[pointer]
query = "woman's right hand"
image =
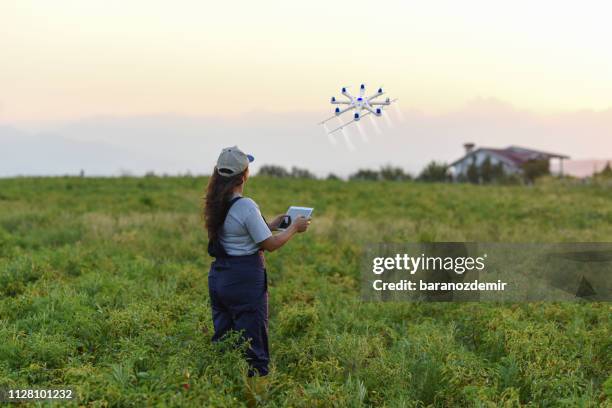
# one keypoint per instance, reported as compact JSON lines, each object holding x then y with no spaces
{"x":274,"y":242}
{"x":301,"y":224}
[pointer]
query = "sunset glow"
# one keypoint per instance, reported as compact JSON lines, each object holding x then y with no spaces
{"x":67,"y":59}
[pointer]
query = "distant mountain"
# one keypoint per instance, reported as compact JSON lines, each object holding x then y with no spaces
{"x":23,"y":153}
{"x":410,"y":139}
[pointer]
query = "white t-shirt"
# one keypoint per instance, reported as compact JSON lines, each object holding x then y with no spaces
{"x":244,"y":228}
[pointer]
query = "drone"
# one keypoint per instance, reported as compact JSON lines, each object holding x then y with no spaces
{"x":359,"y":104}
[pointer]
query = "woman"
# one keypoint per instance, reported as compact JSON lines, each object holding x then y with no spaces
{"x":237,"y":236}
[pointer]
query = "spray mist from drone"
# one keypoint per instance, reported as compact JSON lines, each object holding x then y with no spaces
{"x":375,"y":125}
{"x":398,"y":112}
{"x":331,"y":137}
{"x":362,"y":133}
{"x":347,"y":139}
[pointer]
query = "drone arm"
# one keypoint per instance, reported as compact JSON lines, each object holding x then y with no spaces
{"x":348,"y":95}
{"x":345,"y":110}
{"x":341,"y":103}
{"x":340,"y":127}
{"x":337,"y":114}
{"x":371,"y":98}
{"x":327,"y":120}
{"x":346,"y":124}
{"x":387,"y":102}
{"x":369,"y":110}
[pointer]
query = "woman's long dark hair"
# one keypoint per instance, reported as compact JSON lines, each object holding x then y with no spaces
{"x":219,"y":193}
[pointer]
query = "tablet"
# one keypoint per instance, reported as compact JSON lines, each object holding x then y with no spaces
{"x":294,"y":212}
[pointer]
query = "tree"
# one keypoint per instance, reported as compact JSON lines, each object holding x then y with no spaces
{"x":497,"y":173}
{"x":365,"y":174}
{"x":280,"y":172}
{"x":486,"y":170}
{"x":532,"y":169}
{"x":393,"y":174}
{"x":273,"y":171}
{"x":434,"y":172}
{"x":296,"y":172}
{"x":473,"y":173}
{"x":606,"y":171}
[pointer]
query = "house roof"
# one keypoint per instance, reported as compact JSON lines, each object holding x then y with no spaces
{"x":515,"y":155}
{"x":537,"y":152}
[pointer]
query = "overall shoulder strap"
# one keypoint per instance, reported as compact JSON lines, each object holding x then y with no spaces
{"x":233,"y":200}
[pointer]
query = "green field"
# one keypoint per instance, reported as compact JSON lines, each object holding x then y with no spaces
{"x":103,"y":287}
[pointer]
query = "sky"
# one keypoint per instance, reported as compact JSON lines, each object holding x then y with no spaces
{"x":243,"y":70}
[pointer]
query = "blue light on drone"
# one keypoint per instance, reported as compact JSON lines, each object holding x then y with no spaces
{"x":378,"y":111}
{"x":362,"y":86}
{"x":337,"y":110}
{"x":356,"y":116}
{"x":333,"y":99}
{"x":360,"y":99}
{"x":343,"y":90}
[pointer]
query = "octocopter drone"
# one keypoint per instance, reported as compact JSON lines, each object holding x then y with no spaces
{"x":359,"y":104}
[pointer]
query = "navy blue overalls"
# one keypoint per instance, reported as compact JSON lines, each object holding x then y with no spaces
{"x":238,"y":290}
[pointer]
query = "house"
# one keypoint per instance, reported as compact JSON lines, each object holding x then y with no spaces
{"x":511,"y":159}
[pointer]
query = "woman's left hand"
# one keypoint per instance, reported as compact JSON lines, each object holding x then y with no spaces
{"x":275,"y":223}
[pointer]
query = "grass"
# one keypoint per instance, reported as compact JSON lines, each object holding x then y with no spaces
{"x":103,"y":288}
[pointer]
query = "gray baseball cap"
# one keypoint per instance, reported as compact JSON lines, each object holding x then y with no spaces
{"x":233,"y":161}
